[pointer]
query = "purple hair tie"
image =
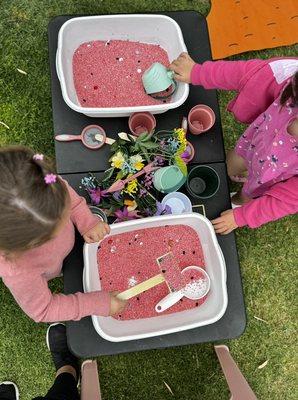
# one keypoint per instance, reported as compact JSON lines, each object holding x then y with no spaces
{"x":38,"y":157}
{"x":50,"y":178}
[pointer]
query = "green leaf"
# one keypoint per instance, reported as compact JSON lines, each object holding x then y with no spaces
{"x":142,"y":137}
{"x":145,"y":153}
{"x":119,"y":175}
{"x":150,"y":145}
{"x":108,"y":174}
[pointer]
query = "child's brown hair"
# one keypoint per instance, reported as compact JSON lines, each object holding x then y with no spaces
{"x":290,"y":92}
{"x":30,"y":209}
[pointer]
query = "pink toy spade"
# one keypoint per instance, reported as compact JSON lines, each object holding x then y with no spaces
{"x":119,"y":185}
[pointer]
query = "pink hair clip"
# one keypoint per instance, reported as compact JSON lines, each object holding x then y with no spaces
{"x":37,"y":157}
{"x":50,"y":178}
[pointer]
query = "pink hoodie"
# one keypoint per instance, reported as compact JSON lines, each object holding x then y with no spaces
{"x":27,"y":277}
{"x":257,"y":83}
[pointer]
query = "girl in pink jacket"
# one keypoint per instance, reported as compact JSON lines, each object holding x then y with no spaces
{"x":266,"y":155}
{"x":37,"y":218}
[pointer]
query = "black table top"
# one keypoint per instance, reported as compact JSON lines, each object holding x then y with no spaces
{"x":73,"y":157}
{"x":74,"y":162}
{"x":84,"y":341}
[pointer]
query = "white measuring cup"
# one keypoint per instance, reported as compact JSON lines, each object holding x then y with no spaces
{"x":194,"y":290}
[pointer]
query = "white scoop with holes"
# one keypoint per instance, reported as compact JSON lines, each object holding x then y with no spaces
{"x":194,"y":290}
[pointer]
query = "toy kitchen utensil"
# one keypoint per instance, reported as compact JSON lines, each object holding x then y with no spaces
{"x":170,"y":273}
{"x":92,"y":136}
{"x":195,"y":289}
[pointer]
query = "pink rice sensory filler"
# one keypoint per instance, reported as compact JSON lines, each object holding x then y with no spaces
{"x":109,"y":74}
{"x":127,"y":259}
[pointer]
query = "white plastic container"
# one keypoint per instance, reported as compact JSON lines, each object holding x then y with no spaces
{"x":154,"y":29}
{"x":209,"y":312}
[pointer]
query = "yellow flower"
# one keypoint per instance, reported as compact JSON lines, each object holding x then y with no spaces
{"x":128,"y":202}
{"x":131,"y":205}
{"x":132,"y":187}
{"x":117,"y":160}
{"x":181,"y":148}
{"x":180,"y":133}
{"x":136,"y":162}
{"x":181,"y":164}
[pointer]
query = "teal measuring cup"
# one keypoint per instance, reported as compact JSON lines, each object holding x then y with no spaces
{"x":157,"y":79}
{"x":168,"y":179}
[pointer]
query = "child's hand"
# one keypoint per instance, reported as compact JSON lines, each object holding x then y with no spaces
{"x":182,"y":67}
{"x":225,"y":223}
{"x":117,"y":305}
{"x":97,"y":233}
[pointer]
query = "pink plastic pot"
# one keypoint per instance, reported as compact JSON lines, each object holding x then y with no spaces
{"x":191,"y":150}
{"x":141,"y":122}
{"x":200,"y":119}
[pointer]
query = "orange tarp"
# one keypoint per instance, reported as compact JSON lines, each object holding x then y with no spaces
{"x":236,"y":26}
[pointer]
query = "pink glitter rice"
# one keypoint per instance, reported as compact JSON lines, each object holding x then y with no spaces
{"x":109,"y":74}
{"x":130,"y":258}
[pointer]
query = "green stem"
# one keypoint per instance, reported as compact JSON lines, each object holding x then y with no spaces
{"x":151,"y":195}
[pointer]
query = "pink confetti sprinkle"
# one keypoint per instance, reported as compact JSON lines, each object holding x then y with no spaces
{"x":115,"y":68}
{"x":132,"y":260}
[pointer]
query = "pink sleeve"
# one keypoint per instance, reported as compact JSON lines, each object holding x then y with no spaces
{"x":277,"y":202}
{"x":81,"y":216}
{"x":225,"y":75}
{"x":39,"y":303}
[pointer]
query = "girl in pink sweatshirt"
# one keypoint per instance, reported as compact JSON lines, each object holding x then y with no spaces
{"x":266,"y":156}
{"x":38,"y":213}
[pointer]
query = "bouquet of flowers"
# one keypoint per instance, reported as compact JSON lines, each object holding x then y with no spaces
{"x":137,"y":156}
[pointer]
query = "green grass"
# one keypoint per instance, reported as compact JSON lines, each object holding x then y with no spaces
{"x":268,"y":256}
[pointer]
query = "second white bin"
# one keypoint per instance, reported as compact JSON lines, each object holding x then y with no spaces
{"x":209,"y":312}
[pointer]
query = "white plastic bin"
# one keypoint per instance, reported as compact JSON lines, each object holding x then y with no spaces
{"x":155,"y":29}
{"x":209,"y":312}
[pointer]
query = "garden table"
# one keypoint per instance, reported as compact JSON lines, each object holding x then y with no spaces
{"x":74,"y":162}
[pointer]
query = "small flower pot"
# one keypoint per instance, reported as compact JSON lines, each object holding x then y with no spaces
{"x":202,"y":182}
{"x":141,"y":122}
{"x":200,"y":119}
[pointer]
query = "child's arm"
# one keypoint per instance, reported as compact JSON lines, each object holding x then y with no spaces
{"x":87,"y":224}
{"x":225,"y":75}
{"x":280,"y":200}
{"x":39,"y":303}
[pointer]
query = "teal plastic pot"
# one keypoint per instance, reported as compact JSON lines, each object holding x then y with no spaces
{"x":168,"y":179}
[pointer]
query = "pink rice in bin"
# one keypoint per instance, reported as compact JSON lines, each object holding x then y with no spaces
{"x":108,"y":74}
{"x":130,"y":258}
